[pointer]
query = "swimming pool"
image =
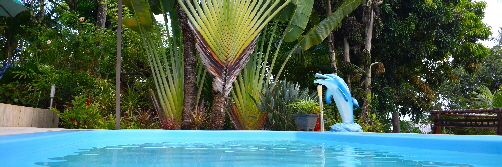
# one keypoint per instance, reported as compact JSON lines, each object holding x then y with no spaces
{"x":245,"y":148}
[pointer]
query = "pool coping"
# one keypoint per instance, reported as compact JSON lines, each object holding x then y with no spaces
{"x":24,"y":130}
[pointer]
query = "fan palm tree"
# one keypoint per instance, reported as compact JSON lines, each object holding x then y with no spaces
{"x":225,"y":32}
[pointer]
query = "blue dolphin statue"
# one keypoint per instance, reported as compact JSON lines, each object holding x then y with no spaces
{"x":339,"y":92}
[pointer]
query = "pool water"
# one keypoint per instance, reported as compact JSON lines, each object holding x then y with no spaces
{"x":238,"y":153}
{"x":246,"y":148}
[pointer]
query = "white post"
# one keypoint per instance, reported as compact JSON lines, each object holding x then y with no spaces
{"x":319,"y":94}
{"x":53,"y":91}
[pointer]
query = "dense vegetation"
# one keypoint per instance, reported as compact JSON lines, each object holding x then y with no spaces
{"x":398,"y":56}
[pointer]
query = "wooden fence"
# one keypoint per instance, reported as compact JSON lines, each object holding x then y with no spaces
{"x":468,"y":118}
{"x":19,"y":116}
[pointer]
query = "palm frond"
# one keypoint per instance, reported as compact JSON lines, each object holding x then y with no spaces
{"x":229,"y":28}
{"x":244,"y":111}
{"x":165,"y":61}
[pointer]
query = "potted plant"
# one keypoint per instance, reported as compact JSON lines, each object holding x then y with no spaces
{"x":306,"y":115}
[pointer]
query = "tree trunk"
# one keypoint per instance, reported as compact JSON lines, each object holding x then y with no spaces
{"x":190,"y":72}
{"x":346,"y":57}
{"x":42,"y":11}
{"x":101,"y":16}
{"x":396,"y":128}
{"x":368,"y":18}
{"x":331,"y":44}
{"x":218,"y":110}
{"x":72,"y":4}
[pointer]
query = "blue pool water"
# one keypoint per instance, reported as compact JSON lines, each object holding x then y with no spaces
{"x":246,"y":148}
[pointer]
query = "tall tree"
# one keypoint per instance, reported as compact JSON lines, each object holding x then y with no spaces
{"x":422,"y":42}
{"x":368,"y":21}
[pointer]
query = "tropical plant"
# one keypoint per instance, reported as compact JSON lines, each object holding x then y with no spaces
{"x":243,"y":111}
{"x":165,"y":60}
{"x":250,"y":86}
{"x":226,"y":33}
{"x":274,"y":102}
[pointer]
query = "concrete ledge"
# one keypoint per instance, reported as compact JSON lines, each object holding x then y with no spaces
{"x":22,"y":130}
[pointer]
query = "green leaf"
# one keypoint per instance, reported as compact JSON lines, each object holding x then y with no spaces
{"x":158,"y":8}
{"x":286,"y":13}
{"x":497,"y":99}
{"x":319,"y":32}
{"x":128,"y":3}
{"x":175,"y":24}
{"x":300,"y":19}
{"x":143,"y":16}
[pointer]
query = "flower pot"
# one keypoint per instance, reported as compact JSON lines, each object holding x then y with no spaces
{"x":305,"y":122}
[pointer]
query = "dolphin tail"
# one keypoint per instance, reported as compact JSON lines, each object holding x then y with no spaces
{"x":354,"y":101}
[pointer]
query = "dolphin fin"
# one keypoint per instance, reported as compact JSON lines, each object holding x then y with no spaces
{"x":328,"y":97}
{"x":354,"y":101}
{"x":344,"y":95}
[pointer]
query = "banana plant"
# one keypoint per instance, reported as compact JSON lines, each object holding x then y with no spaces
{"x":226,"y":32}
{"x":165,"y":60}
{"x":317,"y":33}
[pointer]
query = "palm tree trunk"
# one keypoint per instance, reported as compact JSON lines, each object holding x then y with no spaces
{"x":190,"y":72}
{"x":219,"y":107}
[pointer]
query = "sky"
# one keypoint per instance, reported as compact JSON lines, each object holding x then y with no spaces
{"x":493,"y":14}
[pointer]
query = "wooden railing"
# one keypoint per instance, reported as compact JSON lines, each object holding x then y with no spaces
{"x":467,"y":118}
{"x":19,"y":116}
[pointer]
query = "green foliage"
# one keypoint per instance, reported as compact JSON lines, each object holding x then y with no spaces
{"x":474,"y":90}
{"x":275,"y":101}
{"x":319,"y":32}
{"x":299,"y":20}
{"x":305,"y":106}
{"x":165,"y":60}
{"x":374,"y":124}
{"x":497,"y":98}
{"x":331,"y":116}
{"x":468,"y":131}
{"x":422,"y":43}
{"x":84,"y":115}
{"x":14,"y":93}
{"x":313,"y":37}
{"x":408,"y":127}
{"x":243,"y":112}
{"x":79,"y":59}
{"x":142,"y":19}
